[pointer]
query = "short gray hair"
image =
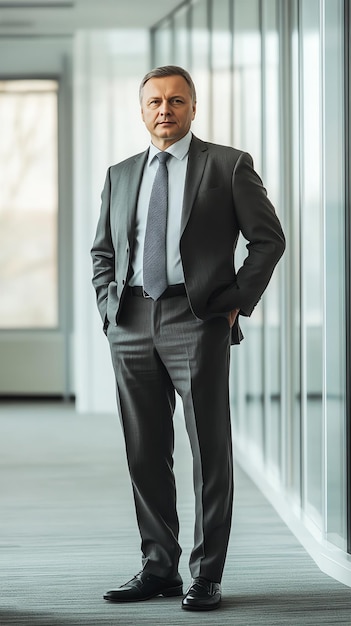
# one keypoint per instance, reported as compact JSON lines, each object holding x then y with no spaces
{"x":169,"y":70}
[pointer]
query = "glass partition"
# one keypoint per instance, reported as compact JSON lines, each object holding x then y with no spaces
{"x":247,"y":125}
{"x":221,"y":66}
{"x":199,"y":63}
{"x":312,"y":259}
{"x":181,"y":54}
{"x":335,"y":321}
{"x":270,"y":81}
{"x":272,"y":173}
{"x":163,"y":44}
{"x":291,"y":187}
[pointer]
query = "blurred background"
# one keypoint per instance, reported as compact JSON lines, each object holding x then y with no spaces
{"x":273,"y":78}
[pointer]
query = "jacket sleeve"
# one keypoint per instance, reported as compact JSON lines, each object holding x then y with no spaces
{"x":103,"y":254}
{"x":261,"y":228}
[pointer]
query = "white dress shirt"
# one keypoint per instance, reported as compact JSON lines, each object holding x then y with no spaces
{"x":177,"y":166}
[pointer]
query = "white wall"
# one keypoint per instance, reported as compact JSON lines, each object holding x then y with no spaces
{"x":108,"y":67}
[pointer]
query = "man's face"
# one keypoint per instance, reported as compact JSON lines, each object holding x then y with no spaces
{"x":167,"y":109}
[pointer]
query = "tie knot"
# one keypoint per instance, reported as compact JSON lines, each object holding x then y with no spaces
{"x":163,"y":157}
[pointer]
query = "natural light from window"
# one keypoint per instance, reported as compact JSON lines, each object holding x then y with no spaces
{"x":28,"y":204}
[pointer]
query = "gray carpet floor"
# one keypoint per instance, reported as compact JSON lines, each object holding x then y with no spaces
{"x":68,"y":533}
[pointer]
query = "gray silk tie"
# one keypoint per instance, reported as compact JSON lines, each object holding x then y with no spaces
{"x":155,"y":269}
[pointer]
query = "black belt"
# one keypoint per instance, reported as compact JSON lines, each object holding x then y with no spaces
{"x":170,"y":292}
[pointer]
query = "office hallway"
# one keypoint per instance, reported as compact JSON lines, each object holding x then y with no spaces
{"x":68,"y":534}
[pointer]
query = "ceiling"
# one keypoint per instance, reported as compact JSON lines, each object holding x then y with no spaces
{"x":64,"y":17}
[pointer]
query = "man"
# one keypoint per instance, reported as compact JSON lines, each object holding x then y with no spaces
{"x":169,"y":297}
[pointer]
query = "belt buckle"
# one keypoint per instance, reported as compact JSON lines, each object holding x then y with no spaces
{"x":146,"y":295}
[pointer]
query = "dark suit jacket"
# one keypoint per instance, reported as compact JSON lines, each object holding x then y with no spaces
{"x":223,"y":195}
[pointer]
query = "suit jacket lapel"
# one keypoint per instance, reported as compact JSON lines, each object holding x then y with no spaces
{"x":132,"y":191}
{"x":198,"y":153}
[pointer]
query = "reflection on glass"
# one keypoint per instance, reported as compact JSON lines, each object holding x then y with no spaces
{"x":28,"y":204}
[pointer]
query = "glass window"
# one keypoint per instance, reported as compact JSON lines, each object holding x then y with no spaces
{"x":28,"y":204}
{"x":199,"y":55}
{"x":334,"y":186}
{"x":272,"y":176}
{"x":181,"y":38}
{"x":291,"y":100}
{"x":269,"y":77}
{"x":312,"y":259}
{"x":221,"y":50}
{"x":163,"y":44}
{"x":247,"y":123}
{"x":247,"y":107}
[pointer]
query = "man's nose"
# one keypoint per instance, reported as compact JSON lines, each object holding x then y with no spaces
{"x":165,"y":108}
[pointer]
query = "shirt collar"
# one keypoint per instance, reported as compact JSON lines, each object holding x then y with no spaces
{"x":179,"y":149}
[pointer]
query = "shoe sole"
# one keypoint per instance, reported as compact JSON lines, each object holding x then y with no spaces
{"x":171,"y":592}
{"x":188,"y":607}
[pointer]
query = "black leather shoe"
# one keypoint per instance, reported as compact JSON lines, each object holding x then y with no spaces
{"x":202,"y":595}
{"x":145,"y":586}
